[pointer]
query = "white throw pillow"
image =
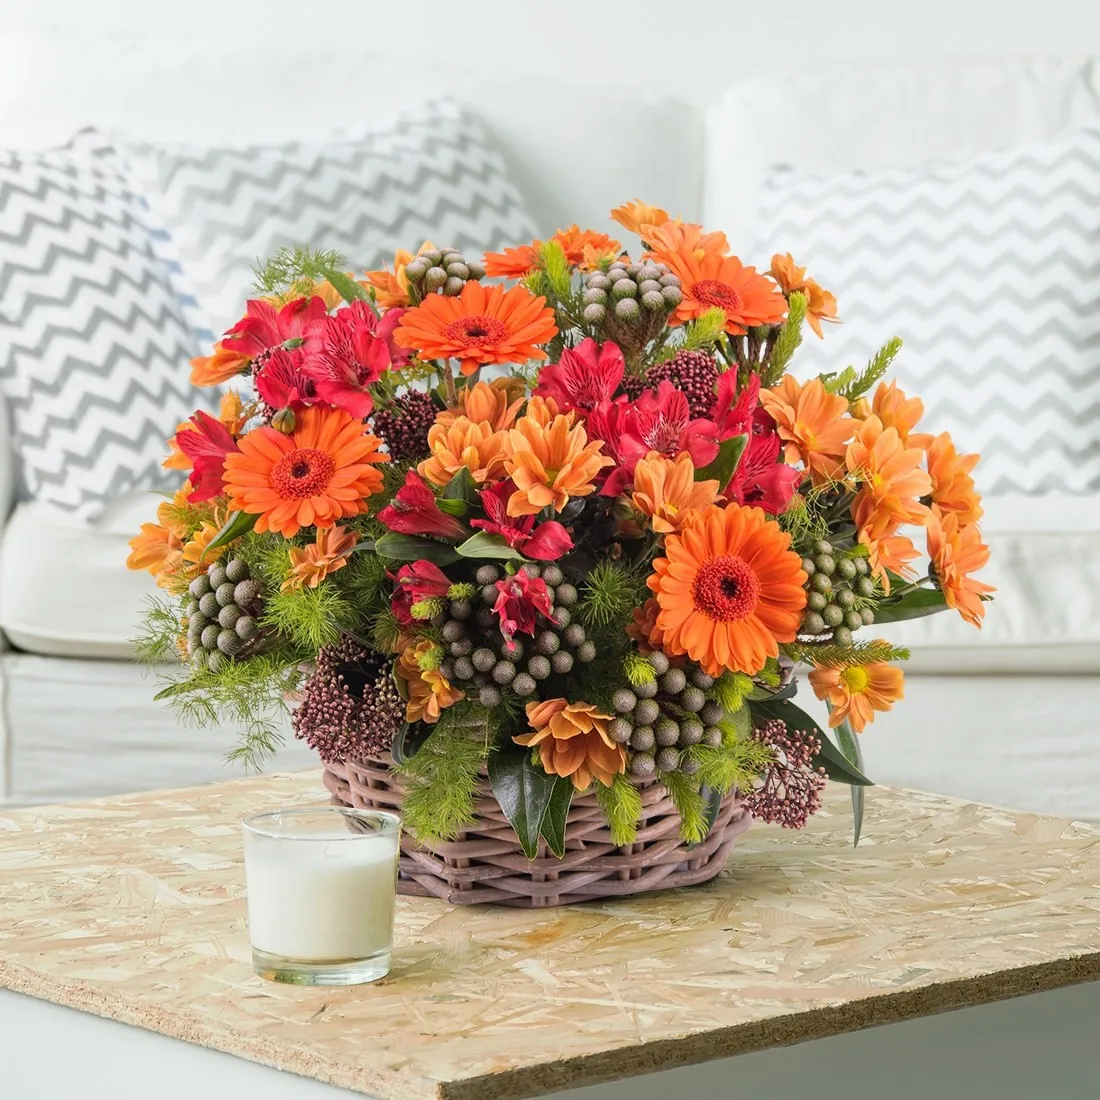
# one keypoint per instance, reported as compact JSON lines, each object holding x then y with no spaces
{"x":427,"y":174}
{"x":93,"y":342}
{"x":988,"y":268}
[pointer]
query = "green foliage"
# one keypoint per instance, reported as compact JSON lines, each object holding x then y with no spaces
{"x":294,"y":272}
{"x":612,"y":590}
{"x":160,"y":628}
{"x":249,"y":694}
{"x":731,"y":689}
{"x":684,"y":792}
{"x":443,"y":775}
{"x":851,"y":383}
{"x":621,"y":805}
{"x":555,"y":267}
{"x":363,"y":583}
{"x":309,"y":618}
{"x":386,"y":631}
{"x":804,"y":519}
{"x":736,"y":763}
{"x":787,"y":341}
{"x":829,"y":655}
{"x":698,"y":335}
{"x":638,"y":670}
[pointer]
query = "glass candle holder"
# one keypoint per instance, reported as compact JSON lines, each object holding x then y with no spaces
{"x":321,"y":885}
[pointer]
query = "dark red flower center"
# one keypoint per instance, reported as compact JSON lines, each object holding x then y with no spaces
{"x":476,"y":332}
{"x":726,"y":589}
{"x":710,"y":292}
{"x":303,"y":472}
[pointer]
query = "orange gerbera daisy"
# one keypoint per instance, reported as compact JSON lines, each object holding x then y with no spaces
{"x":729,"y":589}
{"x":309,"y":565}
{"x":481,"y":325}
{"x":391,"y":288}
{"x":322,"y":472}
{"x":585,"y":248}
{"x":464,"y":443}
{"x":892,"y":476}
{"x":550,"y":464}
{"x":640,"y":218}
{"x":429,"y":692}
{"x":665,"y":489}
{"x":895,"y":410}
{"x":820,"y":304}
{"x":952,"y":486}
{"x":709,"y":278}
{"x":957,"y":551}
{"x":212,"y":370}
{"x":572,"y":740}
{"x":513,"y":263}
{"x":811,"y":423}
{"x":495,"y":403}
{"x":856,"y":693}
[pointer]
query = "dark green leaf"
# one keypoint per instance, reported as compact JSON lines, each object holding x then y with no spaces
{"x":348,"y":288}
{"x":725,"y":465}
{"x":456,"y":507}
{"x":486,"y":545}
{"x":239,"y":523}
{"x":835,"y":763}
{"x":763,"y":694}
{"x":462,"y":487}
{"x":913,"y":605}
{"x":712,"y":803}
{"x":407,"y":742}
{"x":741,"y":720}
{"x":523,"y":790}
{"x":412,"y":548}
{"x":849,"y":745}
{"x":557,"y":813}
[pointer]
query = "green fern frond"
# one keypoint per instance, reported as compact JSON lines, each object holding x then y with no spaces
{"x":610,"y":593}
{"x":161,"y":627}
{"x":852,"y":384}
{"x":684,"y":792}
{"x":638,"y":670}
{"x":829,"y":655}
{"x":787,"y":341}
{"x":292,"y":272}
{"x":555,"y":267}
{"x":309,"y":618}
{"x":731,"y":689}
{"x":737,"y":763}
{"x":621,"y":805}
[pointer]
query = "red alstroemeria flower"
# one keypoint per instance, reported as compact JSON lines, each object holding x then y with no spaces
{"x":659,"y":422}
{"x":264,"y":327}
{"x":521,"y":598}
{"x":281,"y":383}
{"x":419,"y":580}
{"x":206,"y":445}
{"x":413,"y":511}
{"x":733,"y":413}
{"x":584,"y":377}
{"x":348,"y":350}
{"x":547,"y":542}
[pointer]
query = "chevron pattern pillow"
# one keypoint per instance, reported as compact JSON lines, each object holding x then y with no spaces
{"x":989,"y":269}
{"x":93,"y":341}
{"x":428,"y":174}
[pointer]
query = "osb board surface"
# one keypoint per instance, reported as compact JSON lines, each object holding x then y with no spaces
{"x":133,"y":908}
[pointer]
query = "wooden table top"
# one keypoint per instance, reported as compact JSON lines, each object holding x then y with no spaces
{"x":133,"y":908}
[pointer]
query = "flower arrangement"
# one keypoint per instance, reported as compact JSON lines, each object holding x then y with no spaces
{"x":561,"y":517}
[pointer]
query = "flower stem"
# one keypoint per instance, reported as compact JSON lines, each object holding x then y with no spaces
{"x":446,"y":376}
{"x":912,"y":587}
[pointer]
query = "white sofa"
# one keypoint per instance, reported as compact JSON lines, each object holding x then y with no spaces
{"x":1006,"y":716}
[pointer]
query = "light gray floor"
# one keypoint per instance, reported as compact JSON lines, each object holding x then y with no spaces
{"x":1042,"y":1047}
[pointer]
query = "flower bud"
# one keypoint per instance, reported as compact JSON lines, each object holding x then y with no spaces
{"x":283,"y":420}
{"x":435,"y":278}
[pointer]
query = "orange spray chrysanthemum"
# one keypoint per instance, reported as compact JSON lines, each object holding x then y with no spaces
{"x":665,"y":489}
{"x":495,"y":403}
{"x":891,"y":475}
{"x":957,"y":551}
{"x":464,"y":443}
{"x":640,"y":218}
{"x":391,"y":288}
{"x":322,"y":472}
{"x":709,"y":278}
{"x":856,"y":693}
{"x":550,"y":464}
{"x":479,"y":326}
{"x":309,"y":565}
{"x":729,"y":589}
{"x":811,"y":423}
{"x":213,"y":370}
{"x":898,"y":411}
{"x":585,"y":248}
{"x":573,"y":741}
{"x":952,"y":485}
{"x":820,"y":303}
{"x":428,"y":692}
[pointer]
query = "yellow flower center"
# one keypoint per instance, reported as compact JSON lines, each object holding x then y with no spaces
{"x":856,"y":679}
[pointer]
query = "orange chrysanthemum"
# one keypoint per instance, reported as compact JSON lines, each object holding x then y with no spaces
{"x":952,"y":486}
{"x":820,"y":304}
{"x":956,"y":552}
{"x":495,"y":403}
{"x":665,"y":489}
{"x":550,"y":464}
{"x":887,"y":551}
{"x":709,"y":278}
{"x":643,"y":627}
{"x":572,"y":740}
{"x":729,"y":589}
{"x":543,"y":410}
{"x":464,"y":443}
{"x":429,"y":692}
{"x":391,"y":288}
{"x":157,"y":549}
{"x":212,"y":370}
{"x":481,"y":325}
{"x":167,"y":549}
{"x":585,"y":248}
{"x":891,"y":475}
{"x":309,"y":565}
{"x":322,"y":472}
{"x":811,"y":423}
{"x":513,"y":263}
{"x":896,"y":410}
{"x":640,"y":218}
{"x":856,"y":693}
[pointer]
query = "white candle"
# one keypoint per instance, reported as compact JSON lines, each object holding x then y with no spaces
{"x":318,"y":891}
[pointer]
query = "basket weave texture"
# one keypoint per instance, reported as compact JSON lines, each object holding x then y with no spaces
{"x":486,"y":864}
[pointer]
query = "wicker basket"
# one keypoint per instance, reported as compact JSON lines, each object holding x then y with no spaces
{"x":486,"y":864}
